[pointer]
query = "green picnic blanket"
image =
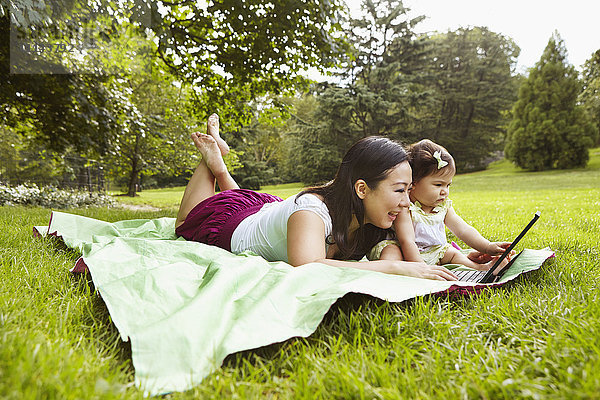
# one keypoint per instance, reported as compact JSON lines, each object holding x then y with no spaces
{"x":185,"y":305}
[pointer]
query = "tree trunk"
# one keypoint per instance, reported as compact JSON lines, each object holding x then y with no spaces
{"x":133,"y":180}
{"x":134,"y":176}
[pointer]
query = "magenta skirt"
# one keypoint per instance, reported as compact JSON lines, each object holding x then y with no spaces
{"x":213,"y":220}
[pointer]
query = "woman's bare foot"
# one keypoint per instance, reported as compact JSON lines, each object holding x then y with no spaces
{"x":211,"y":153}
{"x":212,"y":128}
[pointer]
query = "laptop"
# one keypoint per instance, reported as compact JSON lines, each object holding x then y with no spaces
{"x":489,"y":276}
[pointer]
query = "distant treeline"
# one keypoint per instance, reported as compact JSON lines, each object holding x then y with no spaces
{"x":124,"y":112}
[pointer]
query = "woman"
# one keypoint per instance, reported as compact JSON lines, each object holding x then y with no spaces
{"x":330,"y":224}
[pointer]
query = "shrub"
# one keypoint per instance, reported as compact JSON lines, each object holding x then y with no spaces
{"x":51,"y":197}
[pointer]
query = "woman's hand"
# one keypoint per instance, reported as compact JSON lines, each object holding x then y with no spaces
{"x":425,"y":271}
{"x":479,"y":257}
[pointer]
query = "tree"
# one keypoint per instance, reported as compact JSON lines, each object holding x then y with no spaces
{"x":260,"y":146}
{"x":590,"y":95}
{"x":380,"y":76}
{"x":228,"y":52}
{"x":375,"y":95}
{"x":233,"y":52}
{"x":548,"y":128}
{"x":58,"y":106}
{"x":312,"y":152}
{"x":60,"y":119}
{"x":154,"y":114}
{"x":64,"y":118}
{"x":471,"y":88}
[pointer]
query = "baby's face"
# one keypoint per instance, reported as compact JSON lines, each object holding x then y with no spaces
{"x":432,"y":190}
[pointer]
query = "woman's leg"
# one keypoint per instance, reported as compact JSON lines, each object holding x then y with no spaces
{"x":210,"y":170}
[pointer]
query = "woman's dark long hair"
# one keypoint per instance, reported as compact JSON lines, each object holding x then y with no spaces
{"x":369,"y":159}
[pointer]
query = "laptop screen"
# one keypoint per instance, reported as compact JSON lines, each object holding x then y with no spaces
{"x":489,"y":276}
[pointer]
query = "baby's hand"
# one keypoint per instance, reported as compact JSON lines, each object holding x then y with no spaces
{"x":497,"y":248}
{"x":492,"y":249}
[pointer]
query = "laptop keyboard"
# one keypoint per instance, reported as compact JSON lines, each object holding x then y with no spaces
{"x":470,"y":276}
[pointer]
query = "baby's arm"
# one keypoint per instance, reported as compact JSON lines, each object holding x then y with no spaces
{"x":405,"y":234}
{"x":391,"y":252}
{"x":471,"y":236}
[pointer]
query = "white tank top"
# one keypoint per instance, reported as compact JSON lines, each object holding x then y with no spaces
{"x":430,"y":229}
{"x":265,"y":232}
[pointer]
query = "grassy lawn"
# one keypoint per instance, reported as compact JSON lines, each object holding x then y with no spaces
{"x":171,"y":197}
{"x":537,"y":338}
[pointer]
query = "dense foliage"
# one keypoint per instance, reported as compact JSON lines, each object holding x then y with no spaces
{"x":153,"y":72}
{"x":125,"y":110}
{"x":472,"y":85}
{"x":590,"y":95}
{"x":549,"y":129}
{"x":454,"y":88}
{"x":233,"y":52}
{"x":59,"y":108}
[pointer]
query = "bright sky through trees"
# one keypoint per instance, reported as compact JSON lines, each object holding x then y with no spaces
{"x":530,"y":23}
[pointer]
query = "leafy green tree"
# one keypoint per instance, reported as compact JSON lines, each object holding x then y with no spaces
{"x":454,"y":88}
{"x":549,"y":129}
{"x":230,"y":52}
{"x":235,"y":51}
{"x":260,"y":146}
{"x":380,"y":76}
{"x":376,"y":92}
{"x":312,"y":153}
{"x":155,"y":117}
{"x":62,"y":119}
{"x":10,"y":154}
{"x":590,"y":95}
{"x":471,"y":87}
{"x":58,"y":106}
{"x":24,"y":159}
{"x":43,"y":85}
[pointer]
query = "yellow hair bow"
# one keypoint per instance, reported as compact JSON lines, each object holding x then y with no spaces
{"x":438,"y":156}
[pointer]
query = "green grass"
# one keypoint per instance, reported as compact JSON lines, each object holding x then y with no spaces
{"x":506,"y":176}
{"x":171,"y":197}
{"x":161,"y":198}
{"x":537,"y":338}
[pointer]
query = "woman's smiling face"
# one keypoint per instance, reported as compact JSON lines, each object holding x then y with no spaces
{"x":383,"y":202}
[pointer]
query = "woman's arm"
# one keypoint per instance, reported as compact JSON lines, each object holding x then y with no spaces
{"x":471,"y":236}
{"x":405,"y":234}
{"x":305,"y":244}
